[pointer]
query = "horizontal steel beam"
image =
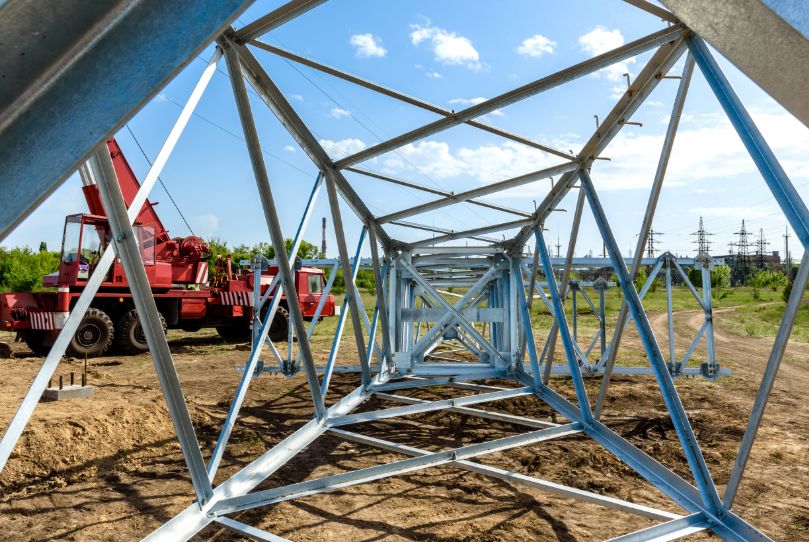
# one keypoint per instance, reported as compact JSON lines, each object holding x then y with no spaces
{"x":671,"y":530}
{"x":516,"y":478}
{"x":434,"y":229}
{"x":338,"y":481}
{"x":469,"y":234}
{"x":481,"y":191}
{"x":435,"y":191}
{"x":430,"y":406}
{"x":405,"y":98}
{"x":540,"y":85}
{"x":467,"y":411}
{"x":249,"y":531}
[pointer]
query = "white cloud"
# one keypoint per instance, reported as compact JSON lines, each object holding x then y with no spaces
{"x":431,"y":157}
{"x":205,"y":226}
{"x":600,"y":40}
{"x":339,"y":113}
{"x":707,"y":149}
{"x":468,"y":102}
{"x":296,"y":97}
{"x":368,"y":46}
{"x":433,"y":75}
{"x":536,"y":46}
{"x":448,"y":47}
{"x":747,"y":212}
{"x":289,"y":148}
{"x":342,"y":148}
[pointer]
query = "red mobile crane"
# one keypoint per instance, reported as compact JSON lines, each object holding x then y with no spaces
{"x":178,"y":273}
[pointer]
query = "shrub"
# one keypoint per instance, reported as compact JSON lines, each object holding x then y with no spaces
{"x":22,"y":269}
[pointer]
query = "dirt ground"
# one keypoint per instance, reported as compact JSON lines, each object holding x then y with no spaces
{"x":109,"y":468}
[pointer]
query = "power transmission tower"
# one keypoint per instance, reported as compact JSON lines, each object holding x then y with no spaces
{"x":558,"y":246}
{"x":650,"y":243}
{"x":787,"y":255}
{"x":741,"y":260}
{"x":702,"y":242}
{"x":761,"y":248}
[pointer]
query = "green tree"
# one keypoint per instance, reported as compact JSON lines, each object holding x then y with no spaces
{"x":720,"y":276}
{"x":22,"y":269}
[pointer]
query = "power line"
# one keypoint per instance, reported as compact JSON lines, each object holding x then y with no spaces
{"x":160,"y":180}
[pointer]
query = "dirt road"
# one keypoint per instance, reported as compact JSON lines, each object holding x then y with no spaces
{"x":108,"y":468}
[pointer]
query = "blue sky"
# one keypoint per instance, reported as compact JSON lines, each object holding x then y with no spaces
{"x":453,"y":54}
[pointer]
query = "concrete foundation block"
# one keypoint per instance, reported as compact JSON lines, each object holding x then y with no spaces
{"x":67,"y":392}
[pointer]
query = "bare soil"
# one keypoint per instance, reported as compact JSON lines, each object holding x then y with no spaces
{"x":109,"y":468}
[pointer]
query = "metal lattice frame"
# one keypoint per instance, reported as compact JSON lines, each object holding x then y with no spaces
{"x":490,"y":322}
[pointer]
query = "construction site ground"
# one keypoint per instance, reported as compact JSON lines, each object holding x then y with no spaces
{"x":109,"y":467}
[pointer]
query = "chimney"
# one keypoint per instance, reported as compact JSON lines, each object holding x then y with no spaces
{"x":323,"y":242}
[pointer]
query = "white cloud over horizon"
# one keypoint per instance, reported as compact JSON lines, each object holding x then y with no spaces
{"x":368,"y":46}
{"x":339,"y":113}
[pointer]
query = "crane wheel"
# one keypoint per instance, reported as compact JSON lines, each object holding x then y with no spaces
{"x":38,"y":341}
{"x":129,"y":336}
{"x":238,"y":332}
{"x":94,"y":335}
{"x":279,"y":328}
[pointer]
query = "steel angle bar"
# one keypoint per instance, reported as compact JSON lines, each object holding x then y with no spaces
{"x":272,"y":96}
{"x":403,"y":97}
{"x":673,"y":403}
{"x":447,"y":380}
{"x":431,"y":190}
{"x":540,"y":85}
{"x":429,"y":406}
{"x":396,"y":468}
{"x":276,"y":18}
{"x":481,"y":191}
{"x":652,"y":9}
{"x":727,"y":525}
{"x":271,"y":218}
{"x":434,"y":229}
{"x":476,"y":412}
{"x":550,"y":346}
{"x":471,"y":233}
{"x":248,"y":530}
{"x":262,"y":337}
{"x":768,"y":379}
{"x":126,"y":247}
{"x":341,"y":321}
{"x":670,"y":530}
{"x":191,"y":520}
{"x":646,"y":81}
{"x":457,"y":316}
{"x":779,"y":184}
{"x":434,"y":332}
{"x":32,"y":396}
{"x":693,"y":346}
{"x":296,"y":242}
{"x":564,"y":330}
{"x":688,"y":283}
{"x":525,"y":310}
{"x":516,"y":478}
{"x":380,"y":276}
{"x":57,"y":60}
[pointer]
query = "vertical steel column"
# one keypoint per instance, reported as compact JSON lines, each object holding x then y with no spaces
{"x":382,"y":306}
{"x":574,"y":290}
{"x":351,"y":288}
{"x":126,"y":246}
{"x":664,"y":380}
{"x":274,"y":226}
{"x":571,"y":247}
{"x":341,"y":321}
{"x":768,"y":380}
{"x":525,"y":310}
{"x":670,"y":311}
{"x":564,"y":330}
{"x":29,"y":402}
{"x":707,"y":299}
{"x":646,"y":226}
{"x":781,"y":187}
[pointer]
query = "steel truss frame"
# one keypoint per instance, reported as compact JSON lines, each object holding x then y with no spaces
{"x":490,"y":322}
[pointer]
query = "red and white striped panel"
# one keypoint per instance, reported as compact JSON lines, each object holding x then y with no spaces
{"x":202,"y":273}
{"x":47,"y":320}
{"x":236,"y":298}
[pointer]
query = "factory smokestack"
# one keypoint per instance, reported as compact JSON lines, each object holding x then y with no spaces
{"x":323,"y":241}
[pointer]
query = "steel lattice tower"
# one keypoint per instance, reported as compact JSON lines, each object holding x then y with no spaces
{"x":702,"y":242}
